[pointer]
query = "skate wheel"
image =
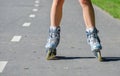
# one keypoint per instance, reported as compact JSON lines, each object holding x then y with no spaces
{"x":99,"y":56}
{"x":50,"y":55}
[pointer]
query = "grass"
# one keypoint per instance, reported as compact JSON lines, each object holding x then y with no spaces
{"x":110,"y":6}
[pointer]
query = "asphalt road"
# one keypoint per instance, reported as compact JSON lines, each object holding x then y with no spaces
{"x":23,"y":32}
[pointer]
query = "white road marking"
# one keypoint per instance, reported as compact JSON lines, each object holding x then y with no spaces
{"x":16,"y":38}
{"x":2,"y":65}
{"x":32,"y":15}
{"x":66,"y":68}
{"x":37,"y":1}
{"x":26,"y":24}
{"x":35,"y":10}
{"x":36,"y":5}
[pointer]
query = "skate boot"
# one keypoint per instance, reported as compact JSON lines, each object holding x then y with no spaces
{"x":94,"y":42}
{"x":52,"y":43}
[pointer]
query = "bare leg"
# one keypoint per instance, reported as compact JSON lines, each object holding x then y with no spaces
{"x":91,"y":31}
{"x":54,"y":30}
{"x":88,"y":13}
{"x":56,"y":12}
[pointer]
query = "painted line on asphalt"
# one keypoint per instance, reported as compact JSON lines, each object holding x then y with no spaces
{"x":37,"y":1}
{"x":2,"y":65}
{"x":26,"y":24}
{"x":36,"y":5}
{"x":16,"y":38}
{"x":35,"y":10}
{"x":32,"y":15}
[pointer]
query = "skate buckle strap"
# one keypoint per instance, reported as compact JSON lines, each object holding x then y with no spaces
{"x":54,"y":33}
{"x":93,"y":35}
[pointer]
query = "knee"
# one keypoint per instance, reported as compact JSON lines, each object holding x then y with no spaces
{"x":85,"y":3}
{"x":58,"y":3}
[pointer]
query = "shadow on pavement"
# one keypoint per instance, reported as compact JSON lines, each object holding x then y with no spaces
{"x":105,"y":59}
{"x":71,"y":58}
{"x":108,"y":59}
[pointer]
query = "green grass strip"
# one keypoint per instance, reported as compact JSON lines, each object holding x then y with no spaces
{"x":111,"y":6}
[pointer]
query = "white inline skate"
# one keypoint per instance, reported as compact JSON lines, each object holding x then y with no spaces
{"x":52,"y":43}
{"x":94,"y":42}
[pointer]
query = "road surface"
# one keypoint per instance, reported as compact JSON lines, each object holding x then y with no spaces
{"x":23,"y":32}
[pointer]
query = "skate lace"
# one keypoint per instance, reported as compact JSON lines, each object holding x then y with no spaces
{"x":54,"y":35}
{"x":93,"y":38}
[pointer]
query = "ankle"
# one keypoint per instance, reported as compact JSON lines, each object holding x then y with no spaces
{"x":54,"y":27}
